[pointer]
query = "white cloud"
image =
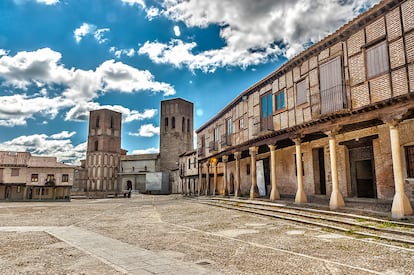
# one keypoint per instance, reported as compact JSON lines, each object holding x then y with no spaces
{"x":146,"y":130}
{"x":3,"y":52}
{"x":58,"y":145}
{"x":152,"y":12}
{"x":177,"y":31}
{"x":63,"y":135}
{"x":133,"y":2}
{"x":41,"y":70}
{"x":253,"y":31}
{"x":151,"y":150}
{"x":120,"y":52}
{"x":48,"y":2}
{"x":90,"y":29}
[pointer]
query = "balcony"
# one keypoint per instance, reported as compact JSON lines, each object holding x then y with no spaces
{"x":213,"y":146}
{"x":225,"y":140}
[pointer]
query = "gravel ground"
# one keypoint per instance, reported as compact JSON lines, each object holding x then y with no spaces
{"x":225,"y":241}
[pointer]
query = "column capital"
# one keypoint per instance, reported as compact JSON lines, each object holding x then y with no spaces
{"x":272,"y":147}
{"x":225,"y":158}
{"x":213,"y":161}
{"x":297,"y":138}
{"x":237,"y":155}
{"x":253,"y":150}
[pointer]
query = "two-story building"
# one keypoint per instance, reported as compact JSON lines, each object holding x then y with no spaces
{"x":27,"y":177}
{"x":336,"y":121}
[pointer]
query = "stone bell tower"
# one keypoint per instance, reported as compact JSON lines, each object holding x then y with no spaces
{"x":104,"y":151}
{"x":176,"y":132}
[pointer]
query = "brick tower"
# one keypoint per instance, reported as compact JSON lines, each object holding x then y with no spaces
{"x":176,"y":132}
{"x":104,"y":151}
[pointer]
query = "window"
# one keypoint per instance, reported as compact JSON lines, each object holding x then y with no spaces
{"x":50,"y":177}
{"x":112,"y":122}
{"x":241,"y":124}
{"x":203,"y":141}
{"x":377,"y":59}
{"x":35,"y":177}
{"x":15,"y":172}
{"x":216,"y":134}
{"x":173,"y":122}
{"x":189,"y":163}
{"x":188,"y":125}
{"x":195,"y":162}
{"x":229,"y":128}
{"x":280,"y":100}
{"x":97,"y":122}
{"x":96,"y":145}
{"x":166,"y":123}
{"x":19,"y":189}
{"x":332,"y":90}
{"x":266,"y":122}
{"x":409,"y":157}
{"x":183,"y":125}
{"x":248,"y":169}
{"x":301,"y":92}
{"x":65,"y":178}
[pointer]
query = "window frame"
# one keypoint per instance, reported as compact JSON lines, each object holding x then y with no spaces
{"x":409,"y":160}
{"x":301,"y":92}
{"x":280,"y":107}
{"x":34,"y":178}
{"x":266,"y":111}
{"x":65,"y":177}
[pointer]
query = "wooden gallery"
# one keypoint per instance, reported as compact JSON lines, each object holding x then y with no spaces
{"x":335,"y":121}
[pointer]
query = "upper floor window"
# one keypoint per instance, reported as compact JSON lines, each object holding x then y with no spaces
{"x":332,"y":92}
{"x":241,"y":124}
{"x":266,"y":105}
{"x":301,"y":92}
{"x":409,"y":157}
{"x":166,"y":123}
{"x":183,"y":124}
{"x":15,"y":172}
{"x":189,"y":163}
{"x":195,"y":162}
{"x":377,"y":59}
{"x":229,"y":128}
{"x":173,"y":123}
{"x":96,"y":145}
{"x":280,"y":100}
{"x":216,"y":134}
{"x":50,"y":178}
{"x":35,"y":178}
{"x":97,"y":122}
{"x":65,"y":178}
{"x":188,"y":125}
{"x":203,"y":141}
{"x":112,"y":122}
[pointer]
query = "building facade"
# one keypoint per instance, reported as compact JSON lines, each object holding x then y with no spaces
{"x":188,"y":174}
{"x":334,"y":121}
{"x":103,"y":152}
{"x":27,"y":177}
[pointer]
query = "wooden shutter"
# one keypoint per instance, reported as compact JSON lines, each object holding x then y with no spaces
{"x":331,"y":86}
{"x":377,"y":60}
{"x":301,"y":92}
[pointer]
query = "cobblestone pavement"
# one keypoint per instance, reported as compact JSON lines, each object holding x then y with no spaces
{"x":171,"y":235}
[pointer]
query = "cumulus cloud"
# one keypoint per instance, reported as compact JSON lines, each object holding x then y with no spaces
{"x":177,"y":31}
{"x":41,"y":70}
{"x":253,"y":32}
{"x":134,"y":2}
{"x":146,"y":130}
{"x":48,"y":2}
{"x":58,"y":145}
{"x":90,"y":29}
{"x":120,"y":52}
{"x":151,"y":150}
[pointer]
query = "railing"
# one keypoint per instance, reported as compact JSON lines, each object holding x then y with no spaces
{"x":225,"y":140}
{"x":333,"y":99}
{"x":213,"y":146}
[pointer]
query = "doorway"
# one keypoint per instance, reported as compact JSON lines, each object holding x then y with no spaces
{"x":319,"y":171}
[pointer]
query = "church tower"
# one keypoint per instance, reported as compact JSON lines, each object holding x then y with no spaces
{"x":176,"y":132}
{"x":104,"y":151}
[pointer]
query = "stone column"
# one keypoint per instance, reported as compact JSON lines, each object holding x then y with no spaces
{"x":254,"y":190}
{"x":214,"y":162}
{"x":237,"y":156}
{"x":300,"y":193}
{"x":401,"y":206}
{"x":225,"y":159}
{"x":274,"y":193}
{"x":336,"y":201}
{"x":207,"y":178}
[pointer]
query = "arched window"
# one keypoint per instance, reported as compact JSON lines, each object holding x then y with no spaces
{"x":183,"y":124}
{"x":173,"y":122}
{"x":166,"y":123}
{"x":97,"y":122}
{"x":96,"y":145}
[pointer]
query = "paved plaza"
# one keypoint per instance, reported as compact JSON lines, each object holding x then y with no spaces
{"x":173,"y":235}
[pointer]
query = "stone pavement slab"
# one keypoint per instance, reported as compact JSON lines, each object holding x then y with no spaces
{"x":123,"y":257}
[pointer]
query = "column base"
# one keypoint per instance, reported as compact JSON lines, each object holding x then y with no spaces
{"x":237,"y":193}
{"x":274,"y":194}
{"x":401,"y":206}
{"x":336,"y":201}
{"x":300,"y":197}
{"x":254,"y":192}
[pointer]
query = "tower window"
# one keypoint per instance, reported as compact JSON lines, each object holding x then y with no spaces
{"x":96,"y":145}
{"x":97,"y":122}
{"x":112,"y":122}
{"x":166,"y":123}
{"x":183,"y":124}
{"x":173,"y":123}
{"x":188,"y":125}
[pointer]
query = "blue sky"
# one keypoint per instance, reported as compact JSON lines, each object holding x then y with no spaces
{"x":59,"y":59}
